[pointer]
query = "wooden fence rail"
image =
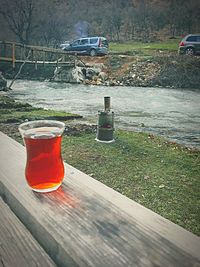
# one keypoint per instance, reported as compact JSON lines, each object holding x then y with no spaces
{"x":16,"y":52}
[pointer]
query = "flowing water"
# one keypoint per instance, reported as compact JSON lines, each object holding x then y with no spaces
{"x":173,"y":113}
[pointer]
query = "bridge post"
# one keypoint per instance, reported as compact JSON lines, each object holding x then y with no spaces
{"x":36,"y":66}
{"x":4,"y":49}
{"x":57,"y":60}
{"x":13,"y":56}
{"x":32,"y":55}
{"x":44,"y":56}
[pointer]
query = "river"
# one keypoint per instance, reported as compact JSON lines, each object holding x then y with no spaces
{"x":173,"y":113}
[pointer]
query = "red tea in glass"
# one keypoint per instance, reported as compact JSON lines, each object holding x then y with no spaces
{"x":44,"y":167}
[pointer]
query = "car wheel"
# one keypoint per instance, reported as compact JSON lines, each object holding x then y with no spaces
{"x":93,"y":52}
{"x":189,"y":51}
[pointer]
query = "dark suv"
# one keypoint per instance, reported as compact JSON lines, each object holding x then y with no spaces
{"x":88,"y":46}
{"x":190,"y":45}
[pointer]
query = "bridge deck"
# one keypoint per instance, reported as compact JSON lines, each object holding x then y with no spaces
{"x":69,"y":63}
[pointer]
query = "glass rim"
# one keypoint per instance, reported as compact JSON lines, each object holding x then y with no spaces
{"x":25,"y":126}
{"x":38,"y":123}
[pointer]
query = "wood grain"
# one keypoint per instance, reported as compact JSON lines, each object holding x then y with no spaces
{"x":85,"y":223}
{"x":17,"y":246}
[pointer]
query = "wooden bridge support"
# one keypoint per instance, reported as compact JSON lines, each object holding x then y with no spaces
{"x":13,"y":56}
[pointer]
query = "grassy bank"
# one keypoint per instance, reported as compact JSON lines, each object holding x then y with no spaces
{"x":142,"y":49}
{"x":160,"y":175}
{"x":12,"y":111}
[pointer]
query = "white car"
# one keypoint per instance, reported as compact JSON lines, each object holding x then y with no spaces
{"x":64,"y":45}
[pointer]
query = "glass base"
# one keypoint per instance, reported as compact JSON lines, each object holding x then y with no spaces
{"x":46,"y":190}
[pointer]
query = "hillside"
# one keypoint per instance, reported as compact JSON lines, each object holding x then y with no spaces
{"x":118,"y":20}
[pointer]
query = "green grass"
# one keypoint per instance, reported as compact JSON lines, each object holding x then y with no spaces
{"x":12,"y":111}
{"x":161,"y":176}
{"x":19,"y":116}
{"x":144,"y":48}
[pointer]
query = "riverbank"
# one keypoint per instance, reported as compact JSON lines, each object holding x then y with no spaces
{"x":158,"y":174}
{"x":161,"y":69}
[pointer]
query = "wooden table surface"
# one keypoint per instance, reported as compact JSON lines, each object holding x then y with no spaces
{"x":17,"y":245}
{"x":85,"y":223}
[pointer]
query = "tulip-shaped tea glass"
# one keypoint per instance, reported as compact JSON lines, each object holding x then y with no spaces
{"x":44,"y":167}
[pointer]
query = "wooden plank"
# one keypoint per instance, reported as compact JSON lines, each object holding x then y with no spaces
{"x":86,"y":223}
{"x":70,"y":63}
{"x":6,"y":59}
{"x":38,"y":48}
{"x":17,"y":246}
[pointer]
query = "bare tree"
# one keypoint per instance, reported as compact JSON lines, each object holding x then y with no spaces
{"x":18,"y":14}
{"x":52,"y":30}
{"x":183,"y":16}
{"x":143,"y":19}
{"x":130,"y":22}
{"x":191,"y":13}
{"x":116,"y":20}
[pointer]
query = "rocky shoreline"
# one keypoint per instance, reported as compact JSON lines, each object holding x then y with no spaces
{"x":166,"y":70}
